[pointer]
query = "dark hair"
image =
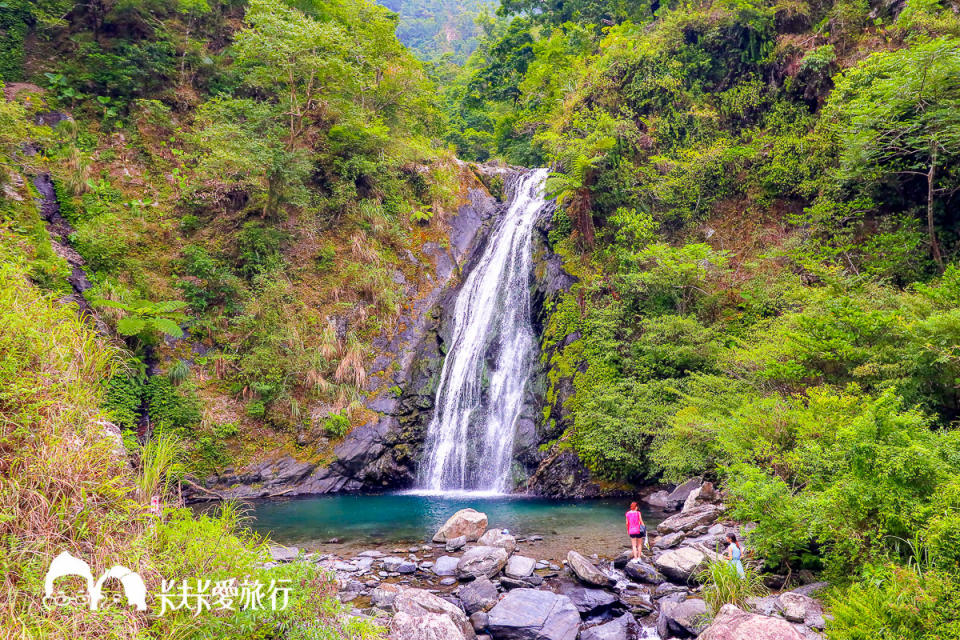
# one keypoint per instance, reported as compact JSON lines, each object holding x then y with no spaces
{"x":633,"y":505}
{"x":732,"y":537}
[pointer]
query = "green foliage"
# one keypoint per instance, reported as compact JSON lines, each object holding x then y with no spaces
{"x":123,"y":399}
{"x":722,"y":585}
{"x":336,"y":425}
{"x":144,"y":319}
{"x":179,"y":372}
{"x":177,"y":407}
{"x":160,"y":465}
{"x":893,"y":602}
{"x":258,"y":248}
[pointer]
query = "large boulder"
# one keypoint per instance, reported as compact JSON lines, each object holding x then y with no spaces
{"x":384,"y":595}
{"x":529,"y":614}
{"x":445,"y":566}
{"x":481,"y":561}
{"x":466,"y":522}
{"x":424,"y":616}
{"x":587,"y":601}
{"x":586,"y":571}
{"x":520,"y":566}
{"x":685,"y":521}
{"x":658,"y":499}
{"x":479,"y":595}
{"x":797,"y":607}
{"x":640,"y":571}
{"x":682,"y":619}
{"x":678,"y":496}
{"x":625,"y":627}
{"x":680,"y":565}
{"x":669,"y":540}
{"x":498,"y":538}
{"x":733,"y":624}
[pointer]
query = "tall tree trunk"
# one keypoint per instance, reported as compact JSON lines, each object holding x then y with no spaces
{"x":931,"y":231}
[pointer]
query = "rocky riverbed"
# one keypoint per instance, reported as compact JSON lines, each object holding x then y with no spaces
{"x":473,"y":581}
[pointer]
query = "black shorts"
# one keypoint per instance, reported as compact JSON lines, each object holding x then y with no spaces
{"x":643,"y":533}
{"x":637,"y":535}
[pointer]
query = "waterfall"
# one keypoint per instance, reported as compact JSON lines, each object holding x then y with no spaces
{"x":469,"y":442}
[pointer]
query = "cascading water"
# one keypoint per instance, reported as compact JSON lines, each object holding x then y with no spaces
{"x":470,"y":438}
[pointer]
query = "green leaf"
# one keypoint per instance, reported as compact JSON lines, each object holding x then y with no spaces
{"x":113,"y":304}
{"x":170,"y":305}
{"x":143,"y":306}
{"x":167,"y":326}
{"x":130,"y":326}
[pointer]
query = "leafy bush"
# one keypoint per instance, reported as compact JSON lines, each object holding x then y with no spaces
{"x":175,"y":406}
{"x":336,"y":425}
{"x":894,"y":602}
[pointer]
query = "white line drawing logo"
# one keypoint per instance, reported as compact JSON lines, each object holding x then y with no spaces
{"x":68,"y":565}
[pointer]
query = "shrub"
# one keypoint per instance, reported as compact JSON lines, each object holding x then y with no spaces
{"x":175,"y":406}
{"x":336,"y":425}
{"x":894,"y":602}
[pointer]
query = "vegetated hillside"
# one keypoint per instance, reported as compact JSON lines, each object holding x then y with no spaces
{"x":67,"y":482}
{"x":760,"y":202}
{"x":436,"y":29}
{"x":247,"y":184}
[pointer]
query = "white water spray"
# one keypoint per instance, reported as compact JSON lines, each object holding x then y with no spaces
{"x":470,"y":438}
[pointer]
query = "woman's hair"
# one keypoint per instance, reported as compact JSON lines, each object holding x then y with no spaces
{"x":633,"y":505}
{"x":732,"y":537}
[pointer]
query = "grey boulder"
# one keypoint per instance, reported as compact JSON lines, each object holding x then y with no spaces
{"x":481,"y":561}
{"x":702,"y":515}
{"x":445,"y":566}
{"x":587,"y":601}
{"x":529,"y":614}
{"x":586,"y":571}
{"x":640,"y":571}
{"x":424,"y":616}
{"x":625,"y":627}
{"x":681,"y":619}
{"x":797,"y":607}
{"x":479,"y":595}
{"x":520,"y":566}
{"x":680,"y":565}
{"x":498,"y":538}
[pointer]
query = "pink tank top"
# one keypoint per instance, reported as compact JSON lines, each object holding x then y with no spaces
{"x":633,"y":522}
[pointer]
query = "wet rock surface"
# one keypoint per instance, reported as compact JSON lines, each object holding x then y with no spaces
{"x":530,"y":614}
{"x":503,"y":594}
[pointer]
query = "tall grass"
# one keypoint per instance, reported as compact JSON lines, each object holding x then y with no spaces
{"x":64,"y":479}
{"x":161,"y":461}
{"x":723,"y":585}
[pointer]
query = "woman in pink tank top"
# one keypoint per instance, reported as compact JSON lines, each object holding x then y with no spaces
{"x":636,"y":530}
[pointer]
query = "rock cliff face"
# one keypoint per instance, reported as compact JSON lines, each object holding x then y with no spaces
{"x":385,"y":453}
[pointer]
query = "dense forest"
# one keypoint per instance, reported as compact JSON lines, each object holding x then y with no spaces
{"x":440,"y":29}
{"x":758,"y":201}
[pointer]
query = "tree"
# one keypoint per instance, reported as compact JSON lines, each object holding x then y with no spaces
{"x":899,"y":114}
{"x":286,"y":51}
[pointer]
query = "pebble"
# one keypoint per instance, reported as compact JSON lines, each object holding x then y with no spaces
{"x":448,"y":582}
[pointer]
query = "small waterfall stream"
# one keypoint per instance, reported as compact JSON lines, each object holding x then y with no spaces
{"x":469,"y":443}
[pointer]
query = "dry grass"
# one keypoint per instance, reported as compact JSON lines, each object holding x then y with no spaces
{"x":64,"y":486}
